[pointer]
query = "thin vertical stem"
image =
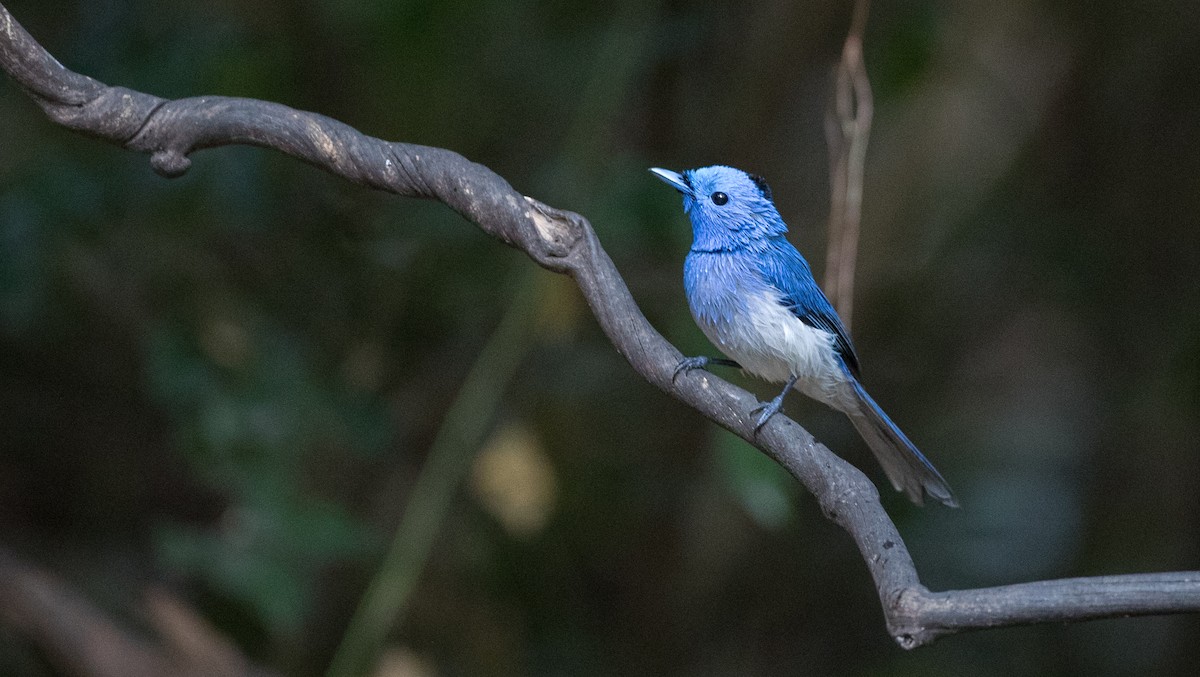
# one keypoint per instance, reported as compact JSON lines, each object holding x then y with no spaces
{"x":847,"y":128}
{"x":460,"y":435}
{"x":462,"y":431}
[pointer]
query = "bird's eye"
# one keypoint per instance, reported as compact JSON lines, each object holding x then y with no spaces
{"x":719,"y":198}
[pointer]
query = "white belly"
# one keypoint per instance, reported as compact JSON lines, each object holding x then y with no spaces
{"x":773,"y":344}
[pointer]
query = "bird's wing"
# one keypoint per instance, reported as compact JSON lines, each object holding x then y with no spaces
{"x":786,"y":270}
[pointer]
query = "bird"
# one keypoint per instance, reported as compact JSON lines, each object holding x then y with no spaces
{"x":753,"y":295}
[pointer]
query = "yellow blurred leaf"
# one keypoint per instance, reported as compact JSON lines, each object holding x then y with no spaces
{"x":513,"y":480}
{"x":401,"y":661}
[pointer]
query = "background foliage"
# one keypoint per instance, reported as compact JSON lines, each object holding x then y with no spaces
{"x":229,"y":382}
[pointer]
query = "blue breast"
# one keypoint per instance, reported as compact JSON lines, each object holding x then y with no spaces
{"x":717,"y":285}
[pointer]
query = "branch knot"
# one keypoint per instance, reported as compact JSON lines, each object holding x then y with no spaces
{"x":170,"y":163}
{"x":559,"y":231}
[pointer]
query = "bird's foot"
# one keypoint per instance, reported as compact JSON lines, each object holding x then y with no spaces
{"x":689,"y":363}
{"x":771,"y":408}
{"x":766,"y":410}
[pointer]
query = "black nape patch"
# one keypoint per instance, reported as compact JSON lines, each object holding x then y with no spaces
{"x":762,"y":185}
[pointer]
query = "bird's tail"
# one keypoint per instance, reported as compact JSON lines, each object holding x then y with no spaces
{"x":908,"y":470}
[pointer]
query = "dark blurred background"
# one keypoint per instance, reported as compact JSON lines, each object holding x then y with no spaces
{"x":227,"y":384}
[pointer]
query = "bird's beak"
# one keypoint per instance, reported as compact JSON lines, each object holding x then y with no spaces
{"x":674,"y":179}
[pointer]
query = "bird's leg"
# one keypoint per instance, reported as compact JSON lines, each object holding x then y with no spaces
{"x":689,"y":363}
{"x":771,"y":408}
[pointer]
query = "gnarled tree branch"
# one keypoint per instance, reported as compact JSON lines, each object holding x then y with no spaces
{"x":564,"y":242}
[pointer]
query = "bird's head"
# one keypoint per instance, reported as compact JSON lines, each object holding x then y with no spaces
{"x":729,"y":208}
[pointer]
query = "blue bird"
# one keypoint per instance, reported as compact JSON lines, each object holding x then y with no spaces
{"x":753,"y":295}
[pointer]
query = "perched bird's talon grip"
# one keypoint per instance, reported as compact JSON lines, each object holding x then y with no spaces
{"x":765,"y":411}
{"x":687,"y":364}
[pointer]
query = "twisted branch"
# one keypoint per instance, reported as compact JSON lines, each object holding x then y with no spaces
{"x":564,"y":242}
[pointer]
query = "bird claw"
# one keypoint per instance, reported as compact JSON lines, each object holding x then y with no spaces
{"x":687,"y":364}
{"x":771,"y":408}
{"x":768,"y":410}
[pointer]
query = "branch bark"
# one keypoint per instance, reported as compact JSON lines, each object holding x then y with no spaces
{"x":564,"y":242}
